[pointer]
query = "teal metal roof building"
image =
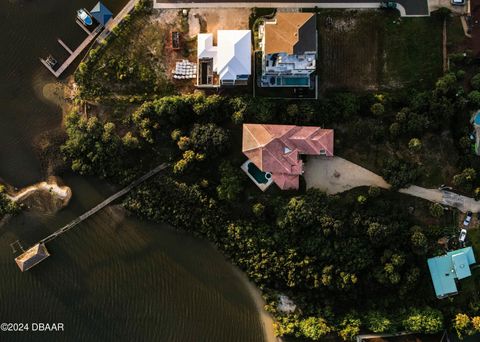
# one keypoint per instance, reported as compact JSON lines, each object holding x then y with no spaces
{"x":101,"y":13}
{"x":446,"y":268}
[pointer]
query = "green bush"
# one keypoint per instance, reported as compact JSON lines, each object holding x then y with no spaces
{"x":230,"y":185}
{"x":475,"y":82}
{"x":426,"y":320}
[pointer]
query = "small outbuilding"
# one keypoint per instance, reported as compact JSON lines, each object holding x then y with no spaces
{"x":445,"y":269}
{"x":32,"y":256}
{"x":101,"y":13}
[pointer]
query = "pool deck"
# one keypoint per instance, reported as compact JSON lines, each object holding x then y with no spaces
{"x":262,"y":187}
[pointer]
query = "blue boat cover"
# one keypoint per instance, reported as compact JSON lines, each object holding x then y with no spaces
{"x":101,"y":13}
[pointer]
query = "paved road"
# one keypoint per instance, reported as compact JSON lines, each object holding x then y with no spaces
{"x":406,"y":7}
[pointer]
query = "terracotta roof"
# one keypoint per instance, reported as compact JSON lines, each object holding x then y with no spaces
{"x":292,"y":33}
{"x":277,"y":149}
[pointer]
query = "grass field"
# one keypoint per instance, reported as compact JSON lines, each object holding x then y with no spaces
{"x":371,"y":50}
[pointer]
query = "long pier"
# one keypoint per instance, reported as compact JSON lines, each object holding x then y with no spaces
{"x":31,"y":257}
{"x":102,"y":205}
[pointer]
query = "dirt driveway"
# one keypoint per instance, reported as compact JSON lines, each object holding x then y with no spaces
{"x":203,"y":20}
{"x":334,"y":175}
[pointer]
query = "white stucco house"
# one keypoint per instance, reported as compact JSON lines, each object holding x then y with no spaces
{"x":228,"y":62}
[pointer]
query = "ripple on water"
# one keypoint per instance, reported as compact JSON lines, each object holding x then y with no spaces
{"x":116,"y":279}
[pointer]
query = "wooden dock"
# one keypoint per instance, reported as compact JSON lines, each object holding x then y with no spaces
{"x":73,"y":54}
{"x":115,"y":21}
{"x":100,"y":32}
{"x":104,"y":203}
{"x":95,"y":209}
{"x":65,"y":46}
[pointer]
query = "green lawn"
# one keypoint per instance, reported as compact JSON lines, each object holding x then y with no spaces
{"x":371,"y":50}
{"x":413,"y":49}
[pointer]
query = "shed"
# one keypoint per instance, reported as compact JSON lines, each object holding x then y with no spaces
{"x":101,"y":13}
{"x":32,"y":256}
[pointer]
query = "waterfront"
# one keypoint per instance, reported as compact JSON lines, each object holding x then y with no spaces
{"x":111,"y":278}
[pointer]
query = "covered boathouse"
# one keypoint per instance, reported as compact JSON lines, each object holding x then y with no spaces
{"x":32,"y":256}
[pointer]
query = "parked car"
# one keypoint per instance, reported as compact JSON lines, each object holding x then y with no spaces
{"x":458,"y":2}
{"x":463,"y":235}
{"x":468,"y":219}
{"x":443,"y":187}
{"x":389,"y":4}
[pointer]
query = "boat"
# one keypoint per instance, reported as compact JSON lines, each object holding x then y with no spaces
{"x":82,"y":14}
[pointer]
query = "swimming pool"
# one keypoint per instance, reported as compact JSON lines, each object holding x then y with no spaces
{"x":259,"y":176}
{"x":285,"y":81}
{"x":296,"y":81}
{"x":477,"y":119}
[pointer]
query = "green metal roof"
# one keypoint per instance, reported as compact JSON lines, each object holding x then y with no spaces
{"x":446,"y":268}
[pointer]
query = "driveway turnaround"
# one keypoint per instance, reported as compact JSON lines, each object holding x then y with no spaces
{"x":407,"y":8}
{"x":335,"y":175}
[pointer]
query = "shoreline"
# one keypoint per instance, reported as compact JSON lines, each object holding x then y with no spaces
{"x":255,"y":293}
{"x":50,"y":186}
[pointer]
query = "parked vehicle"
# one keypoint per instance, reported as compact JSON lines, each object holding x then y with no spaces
{"x":468,"y":219}
{"x":463,"y":235}
{"x":389,"y":4}
{"x":444,"y":187}
{"x":458,"y":2}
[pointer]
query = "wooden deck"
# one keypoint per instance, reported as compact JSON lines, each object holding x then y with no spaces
{"x":115,"y":21}
{"x":101,"y":31}
{"x":74,"y":54}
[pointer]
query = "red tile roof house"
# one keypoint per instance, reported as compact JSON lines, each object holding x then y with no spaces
{"x":277,"y":149}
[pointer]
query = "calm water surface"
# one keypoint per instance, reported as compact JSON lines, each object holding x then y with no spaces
{"x":112,"y":278}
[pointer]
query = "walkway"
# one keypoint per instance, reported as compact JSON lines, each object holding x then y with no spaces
{"x":407,"y":8}
{"x":115,"y":21}
{"x":335,"y":175}
{"x":73,"y":54}
{"x":104,"y":203}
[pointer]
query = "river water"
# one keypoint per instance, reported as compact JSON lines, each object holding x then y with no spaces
{"x":113,"y":278}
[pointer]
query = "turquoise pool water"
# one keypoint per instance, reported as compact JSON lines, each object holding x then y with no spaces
{"x":477,"y":119}
{"x":260,"y":176}
{"x":296,"y":81}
